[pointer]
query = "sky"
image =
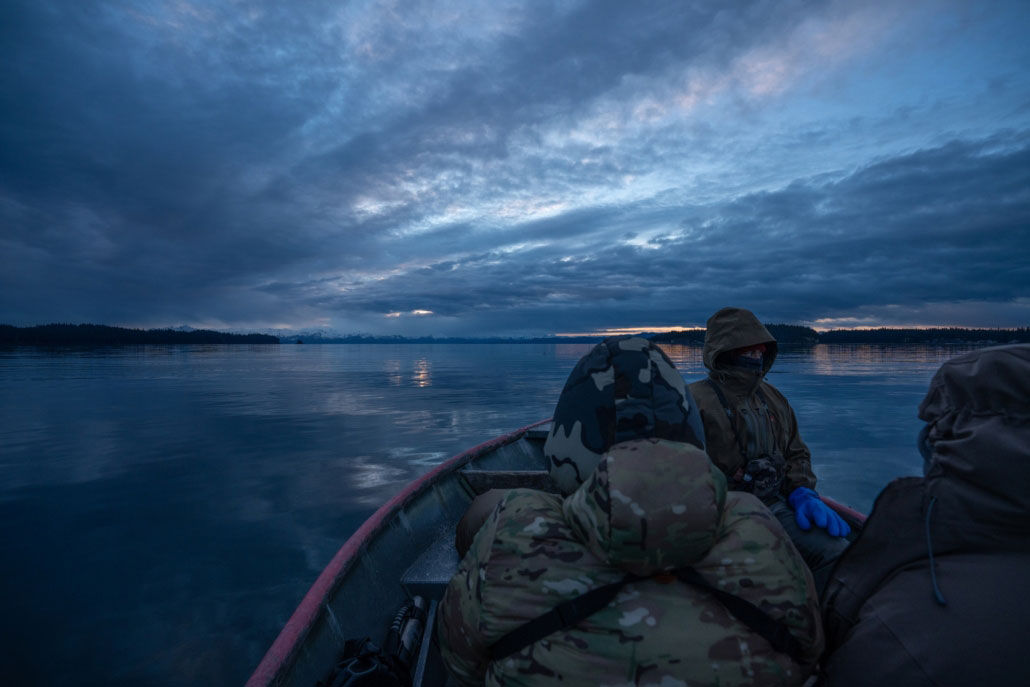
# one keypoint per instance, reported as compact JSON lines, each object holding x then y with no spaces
{"x":514,"y":168}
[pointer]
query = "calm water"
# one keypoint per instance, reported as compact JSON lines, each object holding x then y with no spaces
{"x":164,"y":508}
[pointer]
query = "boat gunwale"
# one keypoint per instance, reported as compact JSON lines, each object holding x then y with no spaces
{"x":847,"y":511}
{"x":284,"y":650}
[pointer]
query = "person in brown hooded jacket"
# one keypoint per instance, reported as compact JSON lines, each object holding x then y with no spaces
{"x":752,"y":435}
{"x":934,"y":591}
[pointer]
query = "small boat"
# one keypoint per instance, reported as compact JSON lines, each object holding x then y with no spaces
{"x":406,"y":550}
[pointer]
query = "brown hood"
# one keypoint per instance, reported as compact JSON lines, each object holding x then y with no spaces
{"x":736,"y":328}
{"x":978,"y":410}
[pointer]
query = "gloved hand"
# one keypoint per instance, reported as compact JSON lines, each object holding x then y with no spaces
{"x":809,"y":508}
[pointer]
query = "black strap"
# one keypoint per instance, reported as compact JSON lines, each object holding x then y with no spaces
{"x":561,"y":617}
{"x":772,"y":630}
{"x":569,"y":613}
{"x":741,"y":443}
{"x":732,"y":418}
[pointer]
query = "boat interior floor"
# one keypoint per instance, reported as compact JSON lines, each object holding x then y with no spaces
{"x":433,"y":569}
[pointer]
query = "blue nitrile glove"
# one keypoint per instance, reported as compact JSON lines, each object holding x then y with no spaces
{"x":809,"y":508}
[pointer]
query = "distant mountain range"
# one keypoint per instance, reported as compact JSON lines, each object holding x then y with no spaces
{"x":102,"y":335}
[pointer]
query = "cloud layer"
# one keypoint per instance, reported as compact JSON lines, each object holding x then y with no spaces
{"x":513,"y":168}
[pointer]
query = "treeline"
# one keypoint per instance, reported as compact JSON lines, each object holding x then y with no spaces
{"x":102,"y":335}
{"x":936,"y":335}
{"x":797,"y":334}
{"x":367,"y":339}
{"x":783,"y":333}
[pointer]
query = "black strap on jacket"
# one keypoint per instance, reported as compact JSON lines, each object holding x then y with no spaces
{"x":741,"y":443}
{"x":561,"y":617}
{"x":569,"y":613}
{"x":730,"y":415}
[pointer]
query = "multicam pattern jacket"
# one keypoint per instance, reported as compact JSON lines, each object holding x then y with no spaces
{"x":649,"y":507}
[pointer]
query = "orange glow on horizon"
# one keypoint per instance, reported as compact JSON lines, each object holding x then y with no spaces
{"x":617,"y":331}
{"x":820,"y":326}
{"x":865,"y":327}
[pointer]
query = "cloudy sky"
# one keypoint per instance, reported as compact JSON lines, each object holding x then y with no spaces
{"x":513,"y":168}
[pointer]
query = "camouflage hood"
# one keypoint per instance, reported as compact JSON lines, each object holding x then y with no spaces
{"x":650,"y":505}
{"x":625,"y":388}
{"x":732,"y":328}
{"x":978,"y":413}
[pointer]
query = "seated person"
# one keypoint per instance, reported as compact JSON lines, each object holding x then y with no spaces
{"x":753,"y":436}
{"x":934,"y":591}
{"x":647,"y":537}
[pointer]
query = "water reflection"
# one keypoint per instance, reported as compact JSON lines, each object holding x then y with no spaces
{"x":367,"y":473}
{"x":422,"y":376}
{"x":571,"y":352}
{"x":392,"y":368}
{"x":112,"y":461}
{"x":862,"y":359}
{"x":688,"y":359}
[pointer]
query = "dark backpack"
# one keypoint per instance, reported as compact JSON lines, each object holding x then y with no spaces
{"x":363,"y":664}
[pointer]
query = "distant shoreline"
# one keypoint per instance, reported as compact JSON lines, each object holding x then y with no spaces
{"x":785,"y":334}
{"x":102,"y":335}
{"x":799,"y":334}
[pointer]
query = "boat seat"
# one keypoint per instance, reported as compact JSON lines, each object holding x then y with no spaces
{"x":478,"y":481}
{"x":429,"y":574}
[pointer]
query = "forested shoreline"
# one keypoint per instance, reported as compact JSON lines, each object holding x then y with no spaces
{"x":786,"y":334}
{"x":102,"y":335}
{"x":798,"y":334}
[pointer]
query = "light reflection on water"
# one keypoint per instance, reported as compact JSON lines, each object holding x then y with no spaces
{"x":166,"y":507}
{"x":422,"y":376}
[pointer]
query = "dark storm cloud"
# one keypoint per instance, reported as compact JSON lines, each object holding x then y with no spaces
{"x":949,"y":224}
{"x":121,"y":162}
{"x":507,"y":166}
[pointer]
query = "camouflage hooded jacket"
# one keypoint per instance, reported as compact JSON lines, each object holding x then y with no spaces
{"x":650,"y":506}
{"x":763,"y":422}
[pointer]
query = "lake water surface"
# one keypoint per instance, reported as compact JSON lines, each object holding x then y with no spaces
{"x":165,"y":508}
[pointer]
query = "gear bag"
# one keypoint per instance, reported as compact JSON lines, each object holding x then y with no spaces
{"x":363,"y":664}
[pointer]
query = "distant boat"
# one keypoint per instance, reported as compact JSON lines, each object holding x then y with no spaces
{"x":406,"y":549}
{"x":300,"y":341}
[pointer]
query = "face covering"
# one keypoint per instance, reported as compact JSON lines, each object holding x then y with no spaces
{"x":748,"y":362}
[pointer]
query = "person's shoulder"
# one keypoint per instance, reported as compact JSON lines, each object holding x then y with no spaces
{"x":756,"y":561}
{"x":528,"y":515}
{"x":771,"y":390}
{"x":520,"y":506}
{"x":745,"y":511}
{"x":517,"y":499}
{"x":902,"y":498}
{"x":701,"y":391}
{"x":759,"y":532}
{"x":699,"y":384}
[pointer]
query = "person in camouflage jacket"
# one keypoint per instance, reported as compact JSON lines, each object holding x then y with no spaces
{"x":752,"y":435}
{"x":643,"y":499}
